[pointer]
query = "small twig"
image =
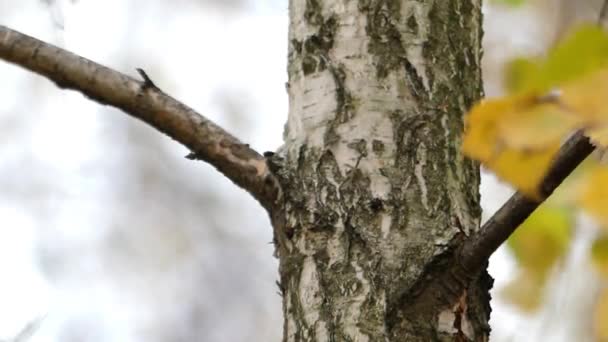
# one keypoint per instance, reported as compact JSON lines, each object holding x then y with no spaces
{"x":28,"y":330}
{"x":147,"y":81}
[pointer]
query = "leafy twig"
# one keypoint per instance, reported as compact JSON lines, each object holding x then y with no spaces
{"x":477,"y":249}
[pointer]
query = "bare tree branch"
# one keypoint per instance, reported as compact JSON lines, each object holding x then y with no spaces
{"x":143,"y":100}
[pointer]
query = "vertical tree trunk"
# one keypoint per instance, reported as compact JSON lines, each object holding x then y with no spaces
{"x":376,"y":190}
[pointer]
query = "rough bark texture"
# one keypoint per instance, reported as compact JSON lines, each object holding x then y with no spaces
{"x":376,"y":194}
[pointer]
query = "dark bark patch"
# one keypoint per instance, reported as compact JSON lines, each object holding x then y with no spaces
{"x":315,"y":48}
{"x":345,"y":104}
{"x":378,"y":147}
{"x":376,"y":204}
{"x":360,"y":146}
{"x":412,"y":24}
{"x":385,"y":39}
{"x":309,"y":65}
{"x":312,"y":12}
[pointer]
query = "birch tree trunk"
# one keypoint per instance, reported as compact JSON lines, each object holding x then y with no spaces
{"x":376,"y":193}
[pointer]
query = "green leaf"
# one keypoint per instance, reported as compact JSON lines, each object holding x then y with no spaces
{"x":525,"y":290}
{"x":537,"y":244}
{"x":600,"y":316}
{"x":593,"y":196}
{"x":520,"y":73}
{"x":511,"y":2}
{"x":542,"y":239}
{"x":599,"y":255}
{"x":581,"y":52}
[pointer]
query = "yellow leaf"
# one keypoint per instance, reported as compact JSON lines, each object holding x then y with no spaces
{"x":504,"y":134}
{"x":598,"y":136}
{"x":525,"y":291}
{"x":566,"y":194}
{"x":587,"y":97}
{"x":518,"y":136}
{"x":537,"y":126}
{"x":593,"y":196}
{"x":600,"y":317}
{"x":481,"y":133}
{"x":599,"y":255}
{"x":542,"y":239}
{"x":524,"y":170}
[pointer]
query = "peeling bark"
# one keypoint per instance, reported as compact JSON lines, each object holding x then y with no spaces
{"x":377,"y":195}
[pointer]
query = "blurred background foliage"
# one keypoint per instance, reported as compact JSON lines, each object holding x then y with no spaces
{"x":109,"y":234}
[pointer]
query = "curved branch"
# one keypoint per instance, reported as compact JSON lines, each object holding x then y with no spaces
{"x":143,"y":100}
